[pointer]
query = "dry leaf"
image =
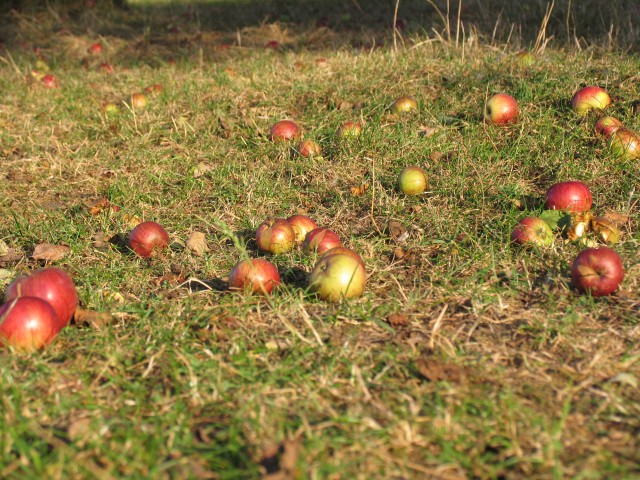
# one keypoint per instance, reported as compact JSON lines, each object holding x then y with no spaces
{"x":49,"y":252}
{"x":617,"y":218}
{"x":201,"y":170}
{"x":197,"y":243}
{"x":131,"y":220}
{"x":97,"y":320}
{"x":279,"y":461}
{"x":435,"y":371}
{"x":99,"y":206}
{"x":397,"y":231}
{"x":344,"y":105}
{"x":356,"y":191}
{"x":398,"y":320}
{"x":79,"y":429}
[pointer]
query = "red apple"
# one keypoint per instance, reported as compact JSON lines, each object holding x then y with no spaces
{"x":572,"y":196}
{"x":257,"y":275}
{"x":95,"y":49}
{"x":336,"y":277}
{"x":349,"y":130}
{"x":343,"y":251}
{"x":273,"y":44}
{"x":412,"y":181}
{"x":590,"y":98}
{"x":148,"y":238}
{"x":153,"y":89}
{"x":598,"y":271}
{"x":52,"y":285}
{"x":605,"y":126}
{"x":27,"y":323}
{"x":320,"y":240}
{"x":105,"y":67}
{"x":285,"y":130}
{"x":532,"y":230}
{"x":138,"y":101}
{"x":301,"y":225}
{"x":275,"y":235}
{"x":625,"y":144}
{"x":309,"y":148}
{"x":49,"y":81}
{"x":405,"y":105}
{"x":501,"y":109}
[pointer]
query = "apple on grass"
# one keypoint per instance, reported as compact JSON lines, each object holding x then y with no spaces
{"x":285,"y":130}
{"x":597,"y":271}
{"x":412,"y":181}
{"x":320,"y":240}
{"x":532,"y":231}
{"x":148,"y":238}
{"x":138,"y":101}
{"x":501,"y":109}
{"x":336,"y":277}
{"x":349,"y":130}
{"x":572,"y":196}
{"x":95,"y":49}
{"x":27,"y":323}
{"x":625,"y":144}
{"x":590,"y":98}
{"x":49,"y":81}
{"x":309,"y":148}
{"x":301,"y":225}
{"x":405,"y":104}
{"x":343,"y":251}
{"x":605,"y":126}
{"x":256,"y":275}
{"x":275,"y":235}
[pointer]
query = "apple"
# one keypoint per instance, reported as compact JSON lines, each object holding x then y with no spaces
{"x":625,"y":144}
{"x":27,"y":323}
{"x":285,"y":130}
{"x":309,"y":148}
{"x":405,"y":105}
{"x":606,"y":231}
{"x":598,"y":271}
{"x":343,"y":251}
{"x":153,"y":89}
{"x":320,"y":240}
{"x":572,"y":196}
{"x":532,"y":230}
{"x":350,"y":130}
{"x":301,"y":225}
{"x":52,"y":285}
{"x":336,"y":277}
{"x":49,"y":81}
{"x":110,"y":108}
{"x":95,"y":49}
{"x":590,"y":98}
{"x":273,"y":44}
{"x":148,"y":238}
{"x":275,"y":235}
{"x":412,"y":181}
{"x":105,"y":67}
{"x":257,"y":275}
{"x":525,"y":59}
{"x":501,"y":109}
{"x":605,"y":126}
{"x":138,"y":101}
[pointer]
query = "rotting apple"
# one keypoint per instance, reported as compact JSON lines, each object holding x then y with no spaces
{"x":606,"y":231}
{"x":625,"y":144}
{"x":572,"y":196}
{"x":532,"y":231}
{"x":501,"y":109}
{"x":301,"y":225}
{"x":320,"y":240}
{"x":337,"y":277}
{"x":598,"y":271}
{"x":148,"y":238}
{"x":605,"y":126}
{"x":256,"y":275}
{"x":27,"y":323}
{"x":309,"y":148}
{"x":412,"y":180}
{"x":275,"y":235}
{"x":285,"y":130}
{"x":590,"y":98}
{"x":52,"y":285}
{"x":405,"y":104}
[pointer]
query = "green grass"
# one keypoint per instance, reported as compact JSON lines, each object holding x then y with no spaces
{"x":524,"y":377}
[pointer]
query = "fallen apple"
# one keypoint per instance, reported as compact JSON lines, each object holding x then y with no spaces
{"x":275,"y":235}
{"x":590,"y":98}
{"x":572,"y":196}
{"x":598,"y":271}
{"x":343,"y":251}
{"x":105,"y":67}
{"x":405,"y":105}
{"x":606,"y":231}
{"x":95,"y":49}
{"x":625,"y":144}
{"x":525,"y":59}
{"x":501,"y":109}
{"x":52,"y":285}
{"x":256,"y":275}
{"x":285,"y":130}
{"x":309,"y":148}
{"x":605,"y":126}
{"x":110,"y":108}
{"x":301,"y":225}
{"x":138,"y":101}
{"x":336,"y":277}
{"x":320,"y":240}
{"x":532,"y":231}
{"x":412,"y":181}
{"x":349,"y":130}
{"x":154,"y":89}
{"x":49,"y":81}
{"x":27,"y":323}
{"x":148,"y":238}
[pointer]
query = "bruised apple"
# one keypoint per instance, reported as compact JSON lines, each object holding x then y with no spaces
{"x":598,"y":271}
{"x":256,"y":275}
{"x":605,"y":126}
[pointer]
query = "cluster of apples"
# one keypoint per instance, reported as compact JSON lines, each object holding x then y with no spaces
{"x":339,"y":272}
{"x":36,"y":308}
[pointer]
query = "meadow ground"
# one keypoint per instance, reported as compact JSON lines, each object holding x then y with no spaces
{"x":466,"y":357}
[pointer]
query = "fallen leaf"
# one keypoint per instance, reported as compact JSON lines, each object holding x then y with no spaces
{"x":626,"y":379}
{"x":436,"y":371}
{"x":279,"y":460}
{"x":99,"y":206}
{"x":49,"y":252}
{"x":617,"y":218}
{"x":356,"y":191}
{"x":79,"y":429}
{"x":201,"y":170}
{"x":197,"y":243}
{"x":397,"y":231}
{"x":344,"y":105}
{"x":12,"y":256}
{"x":98,"y":320}
{"x":398,"y":319}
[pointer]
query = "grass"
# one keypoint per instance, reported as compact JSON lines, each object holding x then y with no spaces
{"x":466,"y":357}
